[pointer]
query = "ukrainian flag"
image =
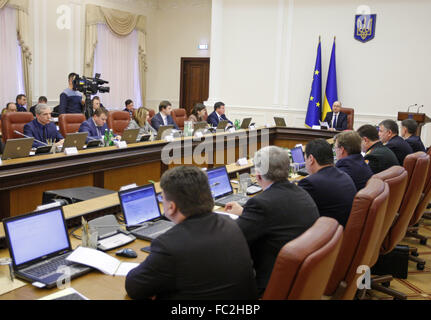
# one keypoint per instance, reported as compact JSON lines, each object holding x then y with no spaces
{"x":315,"y":100}
{"x":331,"y":86}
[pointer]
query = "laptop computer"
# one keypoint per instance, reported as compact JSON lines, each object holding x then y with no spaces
{"x":145,"y":137}
{"x":221,"y":188}
{"x":38,"y":244}
{"x":142,"y":212}
{"x":75,"y":140}
{"x":298,"y":158}
{"x":201,"y":125}
{"x":163,"y":131}
{"x":280,"y":122}
{"x":17,"y":148}
{"x":130,"y":135}
{"x":245,"y":123}
{"x":222,"y":124}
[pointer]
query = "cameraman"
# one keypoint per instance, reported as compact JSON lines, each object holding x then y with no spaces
{"x":71,"y":101}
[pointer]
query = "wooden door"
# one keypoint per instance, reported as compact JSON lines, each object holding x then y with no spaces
{"x":194,"y":85}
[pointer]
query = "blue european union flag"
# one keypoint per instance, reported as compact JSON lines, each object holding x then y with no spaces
{"x":315,"y":100}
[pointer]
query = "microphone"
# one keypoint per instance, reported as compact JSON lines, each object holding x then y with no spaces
{"x":21,"y":134}
{"x":413,"y":105}
{"x":419,"y":108}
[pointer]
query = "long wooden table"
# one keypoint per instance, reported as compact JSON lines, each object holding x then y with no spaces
{"x":23,"y":181}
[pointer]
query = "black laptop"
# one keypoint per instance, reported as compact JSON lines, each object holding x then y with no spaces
{"x":245,"y":123}
{"x":298,"y":158}
{"x":279,"y":122}
{"x":221,"y":188}
{"x":142,"y":212}
{"x":39,"y":244}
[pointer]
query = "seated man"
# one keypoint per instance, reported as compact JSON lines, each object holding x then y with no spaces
{"x":163,"y":118}
{"x":378,"y":156}
{"x":42,"y":129}
{"x":42,"y":100}
{"x":71,"y":101}
{"x":129,"y":107}
{"x":336,"y":119}
{"x":217,"y":115}
{"x":349,"y":158}
{"x":388,"y":134}
{"x":332,"y":189}
{"x":204,"y":256}
{"x":96,"y":125}
{"x":21,"y":103}
{"x":282,"y":212}
{"x":408,"y":132}
{"x":10,"y":107}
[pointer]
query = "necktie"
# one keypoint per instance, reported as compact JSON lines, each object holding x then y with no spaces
{"x":44,"y":134}
{"x":335,"y":121}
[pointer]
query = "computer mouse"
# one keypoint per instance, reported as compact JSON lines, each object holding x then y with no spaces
{"x":127,"y":252}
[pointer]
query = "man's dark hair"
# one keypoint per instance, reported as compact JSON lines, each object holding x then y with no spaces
{"x":18,"y":97}
{"x":128,"y":101}
{"x":390,"y":125}
{"x":218,"y":105}
{"x":9,"y":103}
{"x":411,"y":125}
{"x":164,"y":105}
{"x":188,"y":188}
{"x":42,"y":99}
{"x":71,"y":76}
{"x":350,"y":141}
{"x":321,"y":151}
{"x":369,"y":131}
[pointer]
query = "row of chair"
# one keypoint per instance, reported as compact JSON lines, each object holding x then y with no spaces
{"x":325,"y":262}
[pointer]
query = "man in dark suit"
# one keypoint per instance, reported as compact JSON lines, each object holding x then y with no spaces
{"x":96,"y":125}
{"x":282,"y":212}
{"x":217,"y":115}
{"x":42,"y":128}
{"x":336,"y":119}
{"x":41,"y":100}
{"x":129,"y":107}
{"x":388,"y":134}
{"x":332,"y":189}
{"x":71,"y":101}
{"x":408,"y":132}
{"x":378,"y":156}
{"x":21,"y":103}
{"x":349,"y":158}
{"x":204,"y":256}
{"x":163,"y":118}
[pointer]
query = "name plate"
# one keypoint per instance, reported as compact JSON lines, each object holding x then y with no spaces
{"x":71,"y":151}
{"x":268,"y":125}
{"x":242,"y":162}
{"x":252,"y":128}
{"x":169,"y":138}
{"x":199,"y":134}
{"x":315,"y":127}
{"x":231,"y":130}
{"x":122,"y":144}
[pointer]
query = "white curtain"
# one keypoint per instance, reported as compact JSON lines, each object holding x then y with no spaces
{"x":11,"y":75}
{"x":116,"y":59}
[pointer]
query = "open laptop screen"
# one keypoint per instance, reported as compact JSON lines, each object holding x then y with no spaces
{"x":139,"y":205}
{"x":37,"y":235}
{"x":219,"y":182}
{"x":298,"y":155}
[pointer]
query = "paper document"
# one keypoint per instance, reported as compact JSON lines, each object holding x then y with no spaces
{"x":101,"y":261}
{"x":324,"y":124}
{"x":232,"y":216}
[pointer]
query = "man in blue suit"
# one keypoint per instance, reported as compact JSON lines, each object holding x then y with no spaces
{"x":332,"y":190}
{"x":388,"y":135}
{"x":217,"y":115}
{"x":163,"y":118}
{"x":96,"y":125}
{"x":21,"y":103}
{"x":408,"y":132}
{"x":336,"y":119}
{"x":349,"y":158}
{"x":71,"y":101}
{"x":42,"y":128}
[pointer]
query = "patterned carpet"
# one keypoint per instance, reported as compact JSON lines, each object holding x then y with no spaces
{"x":417,"y":286}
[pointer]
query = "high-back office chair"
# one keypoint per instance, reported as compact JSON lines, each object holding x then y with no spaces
{"x":350,"y":112}
{"x":179,"y":116}
{"x":151,"y":113}
{"x":70,"y":122}
{"x":360,"y":238}
{"x":302,"y":268}
{"x":118,"y":121}
{"x":12,"y":121}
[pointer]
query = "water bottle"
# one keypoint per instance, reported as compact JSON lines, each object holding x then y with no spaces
{"x":237,"y":125}
{"x":111,"y":137}
{"x":106,"y":138}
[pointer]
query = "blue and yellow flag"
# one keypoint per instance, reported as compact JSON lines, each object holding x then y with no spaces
{"x":331,"y":86}
{"x":315,"y":100}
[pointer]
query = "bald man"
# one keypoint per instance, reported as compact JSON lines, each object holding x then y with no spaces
{"x":336,"y":120}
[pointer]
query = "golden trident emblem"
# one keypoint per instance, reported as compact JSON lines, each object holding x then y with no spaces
{"x":364,"y":27}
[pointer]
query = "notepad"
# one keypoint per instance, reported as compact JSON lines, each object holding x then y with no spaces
{"x":101,"y":261}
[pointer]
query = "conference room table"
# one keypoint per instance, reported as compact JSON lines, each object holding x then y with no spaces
{"x":23,"y":181}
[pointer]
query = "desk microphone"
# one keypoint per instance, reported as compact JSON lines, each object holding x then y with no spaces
{"x":413,"y":105}
{"x":419,"y":108}
{"x":21,"y":134}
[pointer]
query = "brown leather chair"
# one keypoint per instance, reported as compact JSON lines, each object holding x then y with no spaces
{"x":179,"y":116}
{"x":302,"y":268}
{"x":118,"y":121}
{"x":152,"y":113}
{"x":361,"y":237}
{"x":70,"y":122}
{"x":12,"y":121}
{"x":350,"y":117}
